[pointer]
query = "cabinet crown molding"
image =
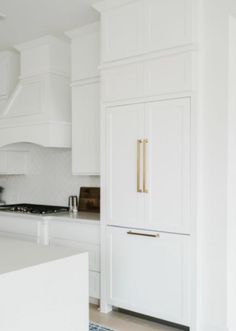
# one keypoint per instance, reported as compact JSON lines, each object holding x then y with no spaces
{"x":109,"y":4}
{"x":84,"y":30}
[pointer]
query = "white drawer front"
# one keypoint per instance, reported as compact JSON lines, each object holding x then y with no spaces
{"x":89,"y":233}
{"x":92,"y":249}
{"x":18,"y":225}
{"x":148,"y":274}
{"x":86,"y":238}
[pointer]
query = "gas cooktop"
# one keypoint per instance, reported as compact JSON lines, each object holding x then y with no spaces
{"x":29,"y":208}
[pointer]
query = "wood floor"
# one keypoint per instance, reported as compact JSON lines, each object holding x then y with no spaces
{"x":122,"y":322}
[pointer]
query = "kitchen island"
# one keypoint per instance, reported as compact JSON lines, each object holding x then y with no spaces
{"x":42,"y":288}
{"x":80,"y":231}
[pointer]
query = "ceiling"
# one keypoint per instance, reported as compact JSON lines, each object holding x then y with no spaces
{"x":31,"y":19}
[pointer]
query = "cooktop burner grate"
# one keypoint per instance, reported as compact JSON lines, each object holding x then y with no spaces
{"x":29,"y":208}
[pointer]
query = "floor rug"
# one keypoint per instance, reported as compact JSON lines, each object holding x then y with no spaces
{"x":96,"y":327}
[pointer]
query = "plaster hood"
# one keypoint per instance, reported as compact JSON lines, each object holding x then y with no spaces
{"x":39,"y":110}
{"x":9,"y":72}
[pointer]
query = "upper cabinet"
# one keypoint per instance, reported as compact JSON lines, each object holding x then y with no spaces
{"x":85,"y":54}
{"x":146,"y":48}
{"x":128,"y":41}
{"x":151,"y":77}
{"x":147,"y":26}
{"x":167,"y":24}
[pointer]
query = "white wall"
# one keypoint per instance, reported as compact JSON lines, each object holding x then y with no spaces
{"x":232,"y":177}
{"x":213,"y":165}
{"x":49,"y":180}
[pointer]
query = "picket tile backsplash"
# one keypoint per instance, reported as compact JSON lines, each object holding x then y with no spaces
{"x":49,"y":179}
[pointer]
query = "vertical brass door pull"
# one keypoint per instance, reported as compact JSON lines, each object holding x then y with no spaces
{"x":139,"y":143}
{"x":145,"y":142}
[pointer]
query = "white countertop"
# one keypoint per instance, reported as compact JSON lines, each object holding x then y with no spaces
{"x":19,"y":254}
{"x":82,"y":217}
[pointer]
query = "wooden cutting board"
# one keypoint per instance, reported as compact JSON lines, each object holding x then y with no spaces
{"x":89,"y":199}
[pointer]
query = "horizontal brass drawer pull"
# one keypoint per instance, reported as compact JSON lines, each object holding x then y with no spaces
{"x":143,"y":234}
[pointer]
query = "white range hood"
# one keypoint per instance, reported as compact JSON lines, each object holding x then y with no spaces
{"x":39,"y":109}
{"x":9,"y":73}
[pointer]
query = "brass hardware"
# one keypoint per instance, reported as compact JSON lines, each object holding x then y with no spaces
{"x":156,"y":235}
{"x":139,"y":142}
{"x":145,"y":142}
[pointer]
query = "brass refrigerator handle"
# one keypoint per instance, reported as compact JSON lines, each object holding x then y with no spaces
{"x":145,"y":142}
{"x":154,"y":235}
{"x":139,"y":143}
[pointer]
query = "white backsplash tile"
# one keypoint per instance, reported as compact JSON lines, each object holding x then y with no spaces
{"x":49,"y":179}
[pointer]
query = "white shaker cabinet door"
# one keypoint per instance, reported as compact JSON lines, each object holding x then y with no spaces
{"x":85,"y":129}
{"x":144,"y":26}
{"x":148,"y":273}
{"x":122,"y":31}
{"x":125,"y":205}
{"x":168,"y":24}
{"x":167,"y":198}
